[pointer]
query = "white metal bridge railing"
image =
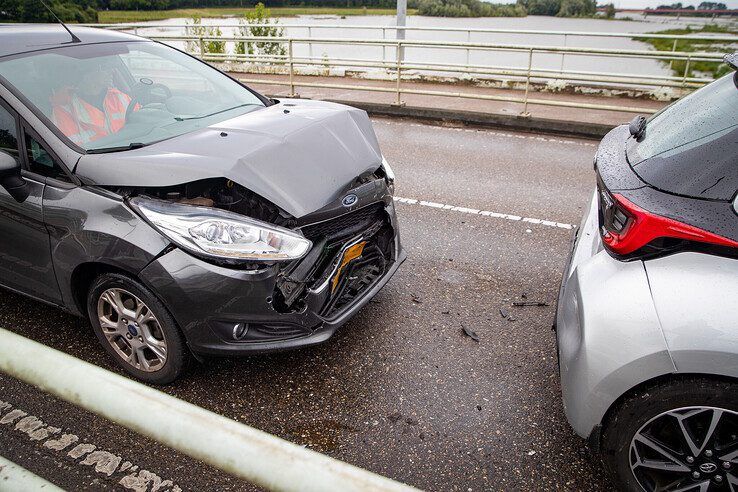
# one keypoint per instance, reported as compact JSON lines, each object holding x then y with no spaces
{"x":237,"y":449}
{"x":400,"y":66}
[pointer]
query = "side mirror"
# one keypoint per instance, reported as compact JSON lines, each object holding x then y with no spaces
{"x":11,"y":179}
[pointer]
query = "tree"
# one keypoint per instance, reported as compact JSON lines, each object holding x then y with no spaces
{"x":577,"y":8}
{"x":259,"y":23}
{"x":541,"y":7}
{"x":195,"y":28}
{"x":610,"y":11}
{"x":34,"y":11}
{"x":466,"y":8}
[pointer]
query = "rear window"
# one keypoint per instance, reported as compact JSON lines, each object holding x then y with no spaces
{"x":691,"y":147}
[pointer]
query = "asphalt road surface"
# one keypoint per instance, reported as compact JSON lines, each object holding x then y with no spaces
{"x":400,"y":390}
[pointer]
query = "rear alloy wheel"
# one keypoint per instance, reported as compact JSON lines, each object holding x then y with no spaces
{"x":675,"y":436}
{"x":136,"y":329}
{"x":691,"y":448}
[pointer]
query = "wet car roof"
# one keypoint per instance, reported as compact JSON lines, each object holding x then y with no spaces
{"x":22,"y":38}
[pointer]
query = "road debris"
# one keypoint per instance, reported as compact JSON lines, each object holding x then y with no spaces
{"x":468,"y":332}
{"x":529,"y":303}
{"x":416,"y":298}
{"x":504,"y":313}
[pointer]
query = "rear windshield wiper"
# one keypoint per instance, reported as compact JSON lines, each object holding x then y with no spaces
{"x":105,"y":150}
{"x":180,"y":118}
{"x":637,"y":126}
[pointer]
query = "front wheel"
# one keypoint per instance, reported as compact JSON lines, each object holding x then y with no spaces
{"x":136,"y":329}
{"x":677,"y":436}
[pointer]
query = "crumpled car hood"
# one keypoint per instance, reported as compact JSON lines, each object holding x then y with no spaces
{"x":299,"y":154}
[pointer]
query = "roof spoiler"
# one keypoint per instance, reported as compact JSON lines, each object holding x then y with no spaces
{"x":732,"y":60}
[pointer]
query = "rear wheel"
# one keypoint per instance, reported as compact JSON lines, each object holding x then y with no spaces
{"x":136,"y":329}
{"x":676,"y":436}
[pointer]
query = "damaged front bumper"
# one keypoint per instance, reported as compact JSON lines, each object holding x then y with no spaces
{"x":226,"y":311}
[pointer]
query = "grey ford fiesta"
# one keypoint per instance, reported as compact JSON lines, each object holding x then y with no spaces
{"x":182,"y":212}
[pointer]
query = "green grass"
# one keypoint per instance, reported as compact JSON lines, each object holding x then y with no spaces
{"x":678,"y":66}
{"x":116,"y":16}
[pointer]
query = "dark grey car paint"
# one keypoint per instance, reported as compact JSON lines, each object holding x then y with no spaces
{"x":300,"y":155}
{"x":89,"y":225}
{"x":25,"y":259}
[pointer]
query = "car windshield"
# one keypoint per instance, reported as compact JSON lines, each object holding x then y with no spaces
{"x":116,"y":96}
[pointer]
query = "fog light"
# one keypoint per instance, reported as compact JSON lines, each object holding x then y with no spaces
{"x":240,"y":330}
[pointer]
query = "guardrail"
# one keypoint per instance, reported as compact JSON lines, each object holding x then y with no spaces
{"x":237,"y":449}
{"x":400,"y":66}
{"x":525,"y":76}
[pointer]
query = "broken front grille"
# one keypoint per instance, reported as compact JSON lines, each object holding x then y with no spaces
{"x":359,"y":276}
{"x":345,"y":225}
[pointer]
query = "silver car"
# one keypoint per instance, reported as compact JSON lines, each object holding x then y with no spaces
{"x":647,"y":317}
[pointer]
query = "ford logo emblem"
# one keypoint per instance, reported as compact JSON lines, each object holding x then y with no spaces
{"x":349,"y":200}
{"x":708,"y":467}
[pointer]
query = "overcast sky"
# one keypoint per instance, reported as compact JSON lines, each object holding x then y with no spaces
{"x":639,"y":4}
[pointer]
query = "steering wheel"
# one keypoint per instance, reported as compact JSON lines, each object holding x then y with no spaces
{"x":143,"y":93}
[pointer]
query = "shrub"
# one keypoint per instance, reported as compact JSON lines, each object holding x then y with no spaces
{"x":259,"y":23}
{"x":195,"y":28}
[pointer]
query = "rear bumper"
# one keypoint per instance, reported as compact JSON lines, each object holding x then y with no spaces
{"x":210,"y":303}
{"x":608,"y":334}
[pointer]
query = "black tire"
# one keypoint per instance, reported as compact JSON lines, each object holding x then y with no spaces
{"x":177,"y":353}
{"x":644,"y":406}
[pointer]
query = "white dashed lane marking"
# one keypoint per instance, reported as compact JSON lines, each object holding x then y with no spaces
{"x":66,"y":446}
{"x":484,"y":213}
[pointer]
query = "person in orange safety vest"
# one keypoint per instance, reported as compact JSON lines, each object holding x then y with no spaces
{"x":91,"y":110}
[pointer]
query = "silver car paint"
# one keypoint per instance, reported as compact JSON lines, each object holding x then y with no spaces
{"x":299,"y":154}
{"x":696,"y":300}
{"x":608,"y":331}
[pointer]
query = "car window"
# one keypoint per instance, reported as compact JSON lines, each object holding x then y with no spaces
{"x":8,"y":133}
{"x":691,"y":147}
{"x":40,"y":160}
{"x":110,"y":96}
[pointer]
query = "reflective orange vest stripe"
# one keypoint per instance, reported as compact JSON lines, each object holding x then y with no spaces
{"x":82,"y":122}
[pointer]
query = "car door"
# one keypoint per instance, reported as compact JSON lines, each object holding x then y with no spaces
{"x":25,"y":255}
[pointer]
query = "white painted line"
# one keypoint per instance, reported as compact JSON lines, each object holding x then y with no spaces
{"x":14,"y":477}
{"x":485,"y":213}
{"x":568,"y":141}
{"x":83,"y":454}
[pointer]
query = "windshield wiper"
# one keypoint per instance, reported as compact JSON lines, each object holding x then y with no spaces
{"x":179,"y":118}
{"x":105,"y":150}
{"x":637,"y":126}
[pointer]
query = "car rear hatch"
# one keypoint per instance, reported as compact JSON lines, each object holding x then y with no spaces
{"x":690,"y":148}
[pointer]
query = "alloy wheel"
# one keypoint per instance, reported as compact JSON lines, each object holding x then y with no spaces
{"x":687,"y":449}
{"x":132,"y":329}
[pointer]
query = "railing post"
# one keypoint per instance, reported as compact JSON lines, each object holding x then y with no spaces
{"x":686,"y":70}
{"x":292,"y":70}
{"x":468,"y":40}
{"x":525,"y":112}
{"x":202,"y":47}
{"x":673,"y":50}
{"x":399,"y":101}
{"x":310,"y":45}
{"x":561,"y":69}
{"x":384,"y":46}
{"x":135,"y":30}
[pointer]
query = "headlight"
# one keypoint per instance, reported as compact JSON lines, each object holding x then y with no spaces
{"x":220,"y":234}
{"x":390,"y":175}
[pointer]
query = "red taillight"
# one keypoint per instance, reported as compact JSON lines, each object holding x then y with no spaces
{"x":642,"y":227}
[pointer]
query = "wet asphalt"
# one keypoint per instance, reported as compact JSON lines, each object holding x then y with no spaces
{"x":401,"y":390}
